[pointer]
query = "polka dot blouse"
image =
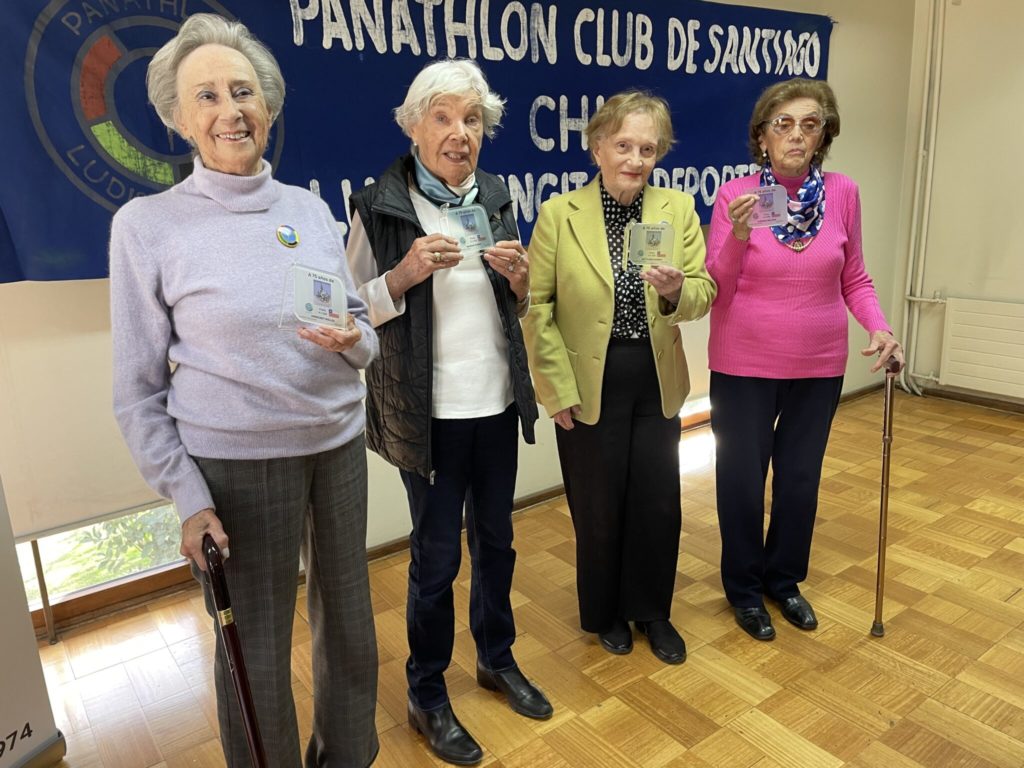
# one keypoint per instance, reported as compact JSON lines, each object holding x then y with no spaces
{"x":630,"y":318}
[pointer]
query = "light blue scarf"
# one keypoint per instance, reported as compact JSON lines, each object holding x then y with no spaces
{"x":440,"y":193}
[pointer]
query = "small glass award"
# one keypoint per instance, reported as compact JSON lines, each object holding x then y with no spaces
{"x":314,"y":297}
{"x":469,"y":225}
{"x":648,"y":245}
{"x":770,"y":210}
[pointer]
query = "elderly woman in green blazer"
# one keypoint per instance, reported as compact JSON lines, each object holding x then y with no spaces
{"x":607,"y":360}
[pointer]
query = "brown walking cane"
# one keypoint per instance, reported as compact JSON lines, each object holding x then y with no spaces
{"x":892,"y":369}
{"x":233,"y":648}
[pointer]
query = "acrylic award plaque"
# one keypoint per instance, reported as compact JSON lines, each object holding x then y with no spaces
{"x":770,"y":210}
{"x":314,"y":297}
{"x":648,"y":245}
{"x":468,"y":225}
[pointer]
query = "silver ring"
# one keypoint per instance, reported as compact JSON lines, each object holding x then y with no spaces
{"x":511,"y":266}
{"x":519,"y":257}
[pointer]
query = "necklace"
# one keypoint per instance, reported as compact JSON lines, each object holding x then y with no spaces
{"x":799,"y":245}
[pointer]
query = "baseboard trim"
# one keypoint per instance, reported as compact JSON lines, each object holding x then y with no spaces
{"x":993,"y":403}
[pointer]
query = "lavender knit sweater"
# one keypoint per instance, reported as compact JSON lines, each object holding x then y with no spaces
{"x":196,"y":279}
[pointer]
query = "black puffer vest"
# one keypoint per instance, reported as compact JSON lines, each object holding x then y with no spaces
{"x":398,"y":382}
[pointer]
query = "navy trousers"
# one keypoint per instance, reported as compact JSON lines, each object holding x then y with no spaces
{"x":757,"y":422}
{"x":475,"y":463}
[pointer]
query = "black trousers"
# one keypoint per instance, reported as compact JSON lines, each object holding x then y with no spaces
{"x":475,"y":463}
{"x":621,"y":480}
{"x":784,"y":422}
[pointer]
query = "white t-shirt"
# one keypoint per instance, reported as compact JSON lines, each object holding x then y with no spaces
{"x":471,"y":376}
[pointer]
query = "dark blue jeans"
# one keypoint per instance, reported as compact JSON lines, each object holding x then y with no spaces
{"x":475,"y":463}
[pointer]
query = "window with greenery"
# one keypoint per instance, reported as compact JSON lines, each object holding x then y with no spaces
{"x":102,"y":552}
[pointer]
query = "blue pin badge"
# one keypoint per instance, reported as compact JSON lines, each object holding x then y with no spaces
{"x":287,"y":236}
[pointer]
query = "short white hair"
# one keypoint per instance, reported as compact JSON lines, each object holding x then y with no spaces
{"x":210,"y":29}
{"x":450,"y":77}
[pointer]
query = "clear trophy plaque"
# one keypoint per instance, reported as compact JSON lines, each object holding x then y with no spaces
{"x":313,"y":297}
{"x":468,"y":225}
{"x":770,"y":210}
{"x":648,"y":245}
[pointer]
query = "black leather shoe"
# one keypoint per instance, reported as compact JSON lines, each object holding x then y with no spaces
{"x":665,"y":641}
{"x":618,"y":639}
{"x":523,"y":696}
{"x":755,"y":622}
{"x":445,"y":734}
{"x":798,"y":612}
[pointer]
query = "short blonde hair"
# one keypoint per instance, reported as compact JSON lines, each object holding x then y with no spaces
{"x":776,"y":95}
{"x":210,"y":29}
{"x":450,"y":77}
{"x":609,"y":118}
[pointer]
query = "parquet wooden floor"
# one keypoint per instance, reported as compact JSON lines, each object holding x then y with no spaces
{"x":943,"y":688}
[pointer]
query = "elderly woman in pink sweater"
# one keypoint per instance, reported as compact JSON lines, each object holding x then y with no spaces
{"x":778,"y":346}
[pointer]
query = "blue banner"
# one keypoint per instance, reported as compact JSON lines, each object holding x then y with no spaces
{"x":80,"y":138}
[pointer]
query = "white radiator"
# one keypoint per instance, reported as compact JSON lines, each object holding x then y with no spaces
{"x":983,"y":347}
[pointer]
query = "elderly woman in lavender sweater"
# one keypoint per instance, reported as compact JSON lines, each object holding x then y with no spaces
{"x":257,"y":433}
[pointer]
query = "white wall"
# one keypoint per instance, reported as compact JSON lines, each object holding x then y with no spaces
{"x":873,"y":70}
{"x":974,"y":228}
{"x":61,"y":453}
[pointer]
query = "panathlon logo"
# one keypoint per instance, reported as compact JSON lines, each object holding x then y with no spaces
{"x":85,"y":73}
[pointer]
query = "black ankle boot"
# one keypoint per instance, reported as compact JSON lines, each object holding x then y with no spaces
{"x":665,"y":641}
{"x":522,"y":695}
{"x":618,"y":638}
{"x":445,"y":734}
{"x":755,"y":621}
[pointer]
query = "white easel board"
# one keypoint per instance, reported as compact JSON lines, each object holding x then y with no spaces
{"x":28,"y":734}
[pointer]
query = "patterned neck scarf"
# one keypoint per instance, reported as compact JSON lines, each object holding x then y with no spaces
{"x":439,"y":192}
{"x":806,"y":212}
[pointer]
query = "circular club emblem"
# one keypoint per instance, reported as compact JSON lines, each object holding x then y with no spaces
{"x":85,"y":85}
{"x":287,"y":236}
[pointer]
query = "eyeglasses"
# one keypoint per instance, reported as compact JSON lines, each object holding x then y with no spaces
{"x":809,"y":126}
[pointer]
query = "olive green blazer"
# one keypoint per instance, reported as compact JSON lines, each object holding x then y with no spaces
{"x":573,"y":299}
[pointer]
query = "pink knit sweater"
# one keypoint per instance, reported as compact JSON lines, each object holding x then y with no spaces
{"x":781,"y":314}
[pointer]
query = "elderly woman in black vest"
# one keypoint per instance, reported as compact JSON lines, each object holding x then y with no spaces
{"x":451,"y":387}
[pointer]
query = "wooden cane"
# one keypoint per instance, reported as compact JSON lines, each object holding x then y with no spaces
{"x":892,"y":369}
{"x":233,"y":649}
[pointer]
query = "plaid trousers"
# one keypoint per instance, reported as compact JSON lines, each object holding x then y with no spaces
{"x":273,"y":509}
